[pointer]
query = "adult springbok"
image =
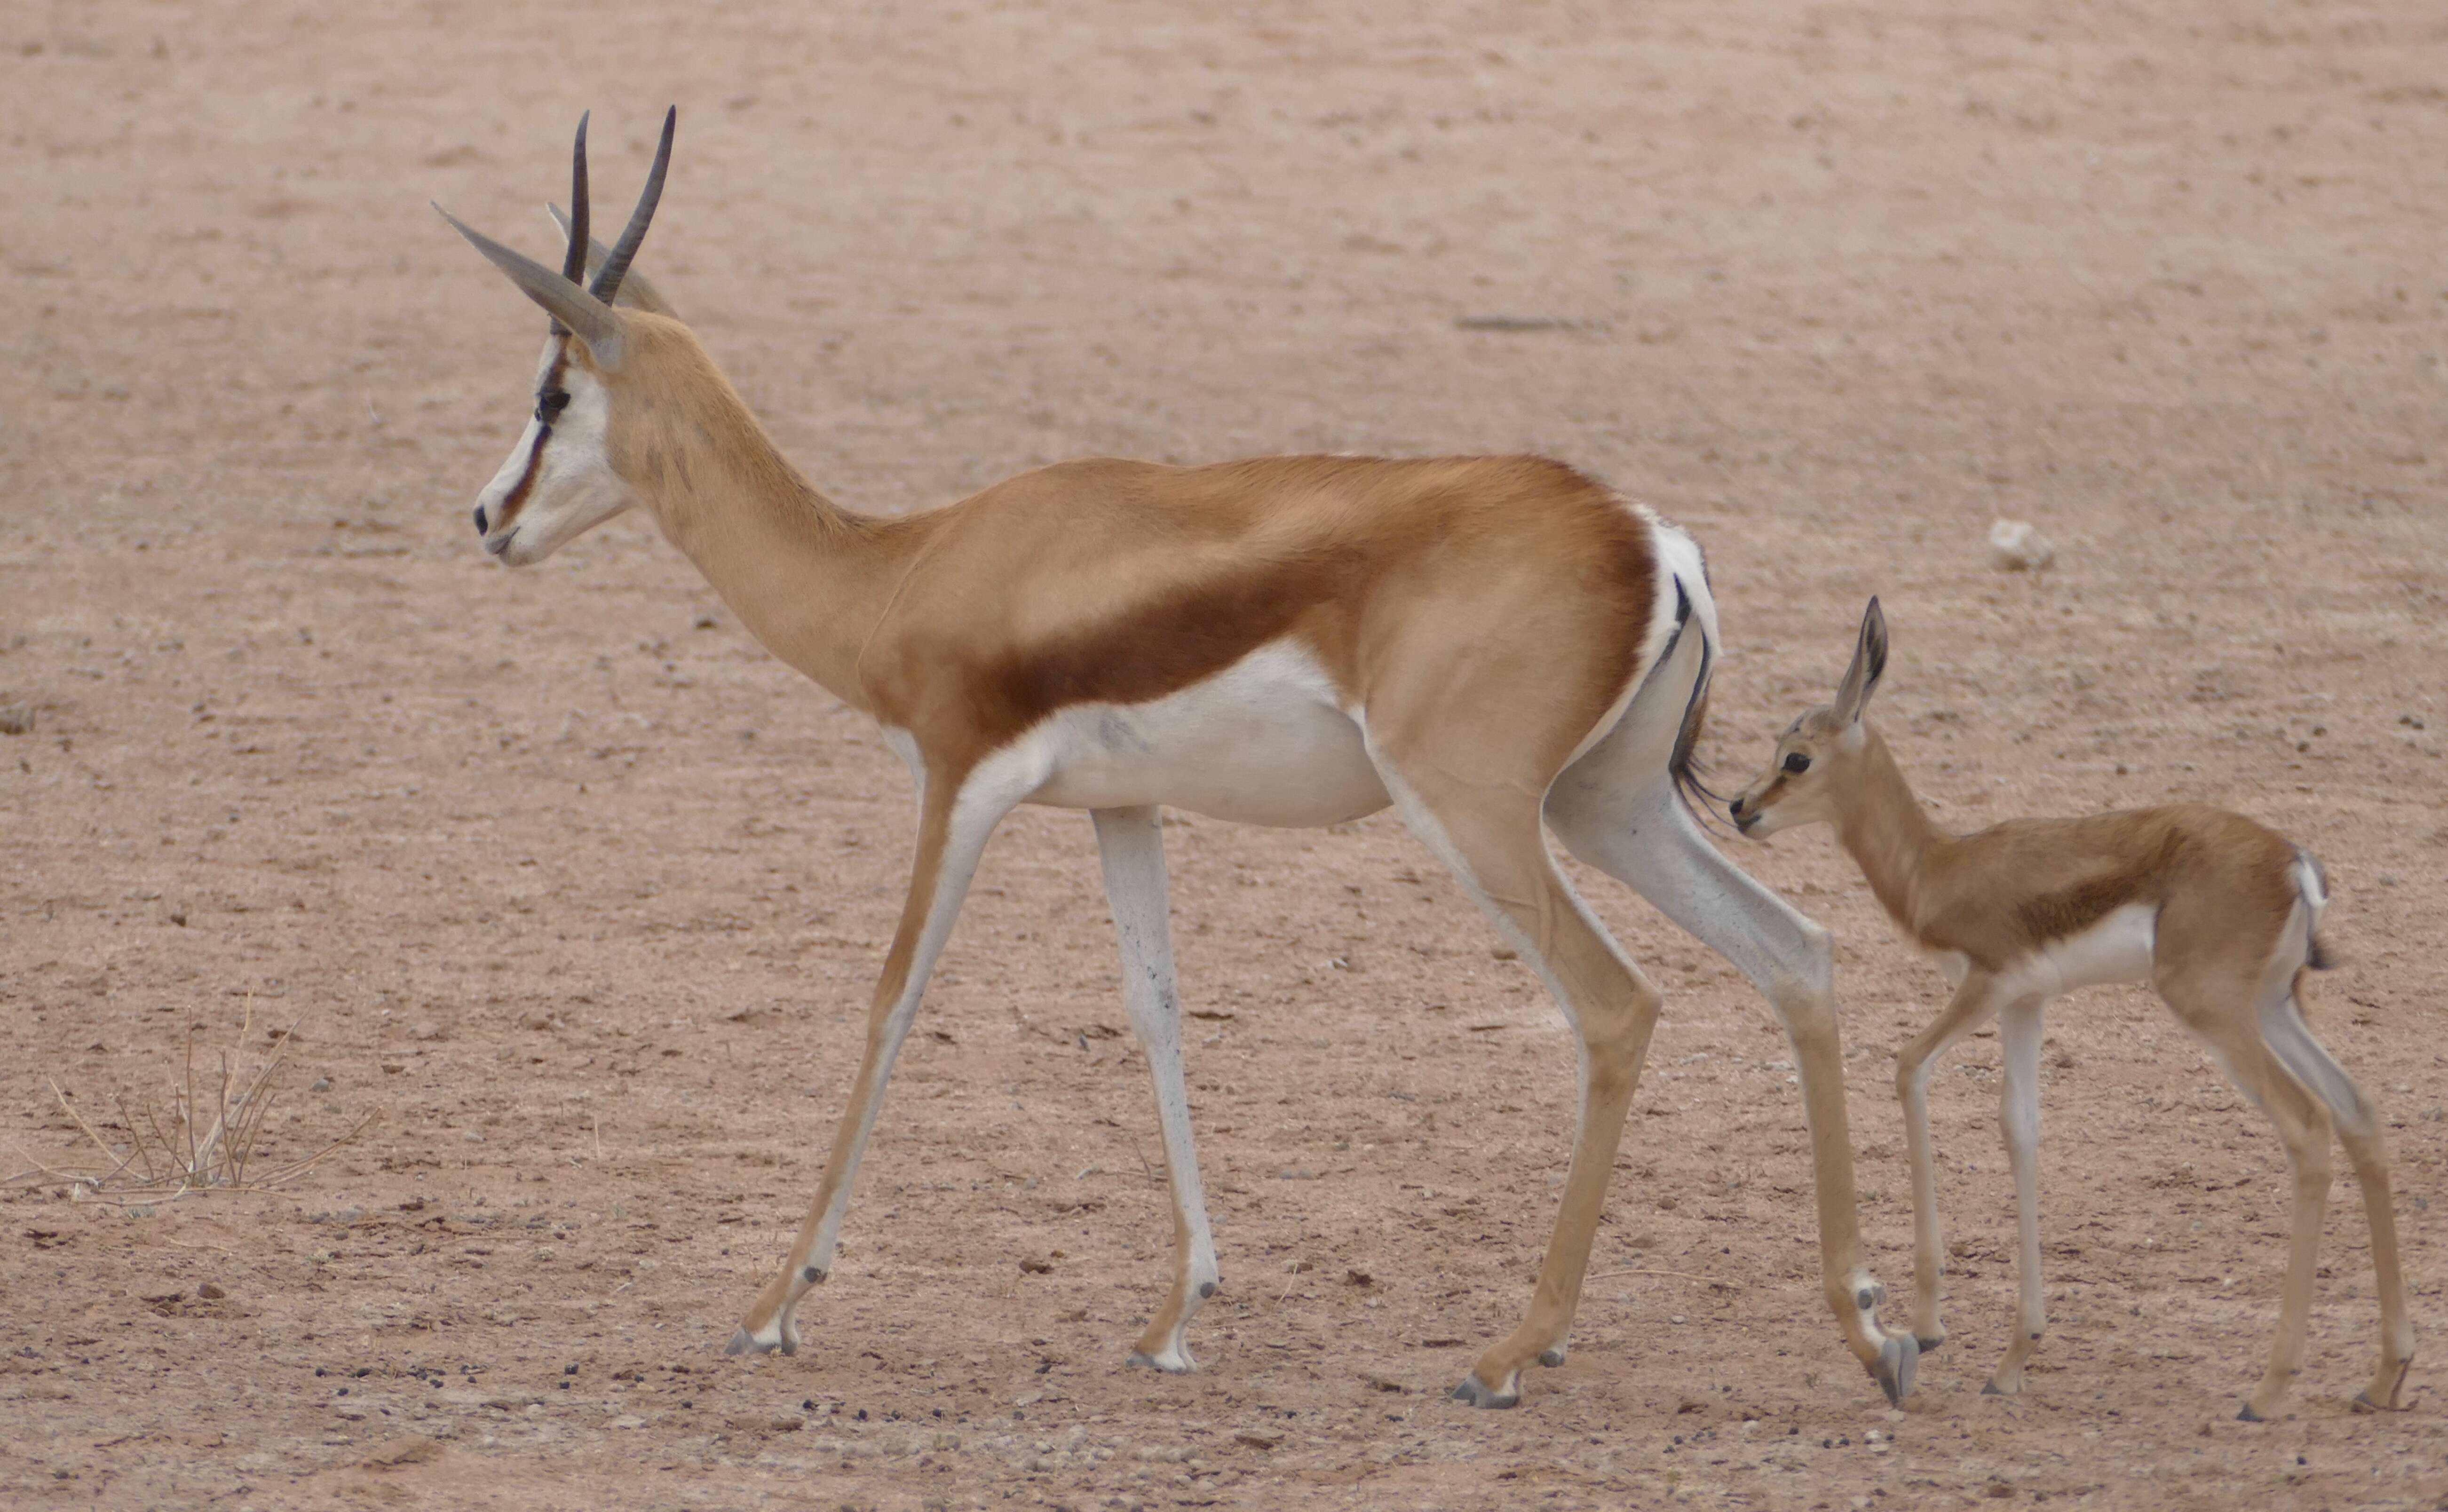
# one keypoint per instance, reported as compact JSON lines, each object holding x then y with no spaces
{"x":1482,"y":641}
{"x":2219,"y":916}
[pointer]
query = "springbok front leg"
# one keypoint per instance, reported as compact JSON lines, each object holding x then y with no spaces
{"x":2018,"y":1118}
{"x":1615,"y":811}
{"x":1130,"y":843}
{"x":1975,"y":1002}
{"x":955,"y":818}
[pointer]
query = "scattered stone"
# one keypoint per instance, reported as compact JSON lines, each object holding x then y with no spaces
{"x":1258,"y":1441}
{"x":2015,"y":547}
{"x":210,"y":1292}
{"x":1037,"y":1267}
{"x":16,"y":718}
{"x":321,"y":1083}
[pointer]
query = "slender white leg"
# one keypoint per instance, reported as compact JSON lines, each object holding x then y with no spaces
{"x":1974,"y":1001}
{"x":1130,"y":843}
{"x":2018,"y":1115}
{"x":951,"y":836}
{"x":1639,"y":832}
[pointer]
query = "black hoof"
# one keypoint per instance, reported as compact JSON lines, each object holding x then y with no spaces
{"x":1550,"y":1358}
{"x":1989,"y":1389}
{"x":1480,"y":1396}
{"x":2248,"y":1415}
{"x":1927,"y":1345}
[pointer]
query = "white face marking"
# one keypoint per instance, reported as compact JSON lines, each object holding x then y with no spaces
{"x":1261,"y":742}
{"x":572,"y":489}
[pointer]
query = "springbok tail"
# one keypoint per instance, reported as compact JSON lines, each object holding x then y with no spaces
{"x":1691,"y":780}
{"x":2312,"y":886}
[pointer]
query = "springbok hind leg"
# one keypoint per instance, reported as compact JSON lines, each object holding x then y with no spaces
{"x":1617,"y":809}
{"x":1491,"y":838}
{"x":1130,"y":843}
{"x":2358,"y":1125}
{"x":2235,"y":1041}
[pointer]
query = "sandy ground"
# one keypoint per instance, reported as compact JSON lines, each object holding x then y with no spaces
{"x":576,"y":890}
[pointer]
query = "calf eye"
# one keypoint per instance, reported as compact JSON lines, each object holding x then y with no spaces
{"x":1796,"y":761}
{"x":549,"y":405}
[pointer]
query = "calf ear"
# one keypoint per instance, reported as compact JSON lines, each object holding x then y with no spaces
{"x":636,"y":292}
{"x":1869,"y":663}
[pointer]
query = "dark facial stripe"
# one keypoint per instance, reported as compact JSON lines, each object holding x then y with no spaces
{"x":519,"y":491}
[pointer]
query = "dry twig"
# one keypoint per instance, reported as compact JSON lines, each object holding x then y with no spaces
{"x":173,"y":1150}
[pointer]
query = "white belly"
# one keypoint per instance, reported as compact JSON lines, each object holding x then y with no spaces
{"x":1265,"y":742}
{"x":2121,"y":947}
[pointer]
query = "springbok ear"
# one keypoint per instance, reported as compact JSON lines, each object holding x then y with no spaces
{"x":1870,"y":663}
{"x":636,"y":291}
{"x":588,"y":317}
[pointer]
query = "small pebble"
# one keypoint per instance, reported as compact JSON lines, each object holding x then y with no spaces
{"x":2015,"y":547}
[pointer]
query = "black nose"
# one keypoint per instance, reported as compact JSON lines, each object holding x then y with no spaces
{"x":480,"y":519}
{"x":1734,"y":809}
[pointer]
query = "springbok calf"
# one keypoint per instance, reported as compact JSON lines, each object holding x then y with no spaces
{"x":1481,"y":642}
{"x":2218,"y":914}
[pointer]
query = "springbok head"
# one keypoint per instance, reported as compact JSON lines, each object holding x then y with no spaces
{"x":1817,"y":756}
{"x":559,"y":481}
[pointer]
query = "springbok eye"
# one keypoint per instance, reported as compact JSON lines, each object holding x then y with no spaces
{"x":1796,"y":761}
{"x":550,"y":403}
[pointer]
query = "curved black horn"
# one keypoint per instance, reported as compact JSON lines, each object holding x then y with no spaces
{"x":573,"y":265}
{"x":607,"y":279}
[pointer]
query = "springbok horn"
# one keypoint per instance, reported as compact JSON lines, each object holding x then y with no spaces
{"x":590,"y":318}
{"x":608,"y":283}
{"x":637,"y":291}
{"x":573,"y":265}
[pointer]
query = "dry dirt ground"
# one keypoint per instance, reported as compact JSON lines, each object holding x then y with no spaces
{"x":562,"y":878}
